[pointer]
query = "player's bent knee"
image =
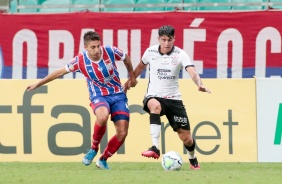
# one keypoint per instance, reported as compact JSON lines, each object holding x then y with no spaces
{"x":102,"y":118}
{"x":122,"y":135}
{"x":154,"y":105}
{"x":187,"y":141}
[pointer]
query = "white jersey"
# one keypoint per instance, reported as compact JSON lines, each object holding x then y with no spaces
{"x":164,"y":71}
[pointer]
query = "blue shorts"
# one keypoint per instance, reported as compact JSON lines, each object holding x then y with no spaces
{"x":116,"y":104}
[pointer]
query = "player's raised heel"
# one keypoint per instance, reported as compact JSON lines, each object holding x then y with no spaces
{"x":102,"y":164}
{"x":87,"y":159}
{"x":152,"y":152}
{"x":194,"y":164}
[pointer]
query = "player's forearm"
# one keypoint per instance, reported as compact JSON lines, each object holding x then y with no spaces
{"x":194,"y":75}
{"x":197,"y":80}
{"x":129,"y":68}
{"x":56,"y":74}
{"x":137,"y":72}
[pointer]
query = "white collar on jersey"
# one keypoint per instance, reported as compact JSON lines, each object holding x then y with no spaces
{"x":159,"y":49}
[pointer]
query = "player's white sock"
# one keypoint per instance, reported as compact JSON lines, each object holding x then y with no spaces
{"x":191,"y":154}
{"x":155,"y":134}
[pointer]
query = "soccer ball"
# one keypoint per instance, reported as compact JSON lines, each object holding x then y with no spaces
{"x":172,"y":161}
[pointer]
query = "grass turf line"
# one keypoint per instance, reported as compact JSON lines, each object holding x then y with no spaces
{"x":139,"y":173}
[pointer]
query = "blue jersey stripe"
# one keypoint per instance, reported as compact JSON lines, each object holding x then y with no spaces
{"x":112,"y":57}
{"x":104,"y":69}
{"x":89,"y":67}
{"x":110,"y":53}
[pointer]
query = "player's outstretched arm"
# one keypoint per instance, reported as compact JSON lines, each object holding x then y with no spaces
{"x":196,"y":79}
{"x":54,"y":75}
{"x":138,"y":70}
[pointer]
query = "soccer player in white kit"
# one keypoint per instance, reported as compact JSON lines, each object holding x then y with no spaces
{"x":163,"y":96}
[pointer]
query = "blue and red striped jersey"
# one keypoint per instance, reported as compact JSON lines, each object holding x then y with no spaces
{"x":102,"y":77}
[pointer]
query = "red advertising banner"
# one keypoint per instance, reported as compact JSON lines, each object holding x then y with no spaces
{"x":221,"y":44}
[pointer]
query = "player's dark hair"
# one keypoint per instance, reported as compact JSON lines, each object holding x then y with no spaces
{"x":167,"y":31}
{"x":90,"y":36}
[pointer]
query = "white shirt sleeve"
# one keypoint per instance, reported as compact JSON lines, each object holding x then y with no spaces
{"x":145,"y":57}
{"x":185,"y":59}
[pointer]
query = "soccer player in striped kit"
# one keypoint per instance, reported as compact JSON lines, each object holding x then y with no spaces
{"x":106,"y":93}
{"x":163,"y":96}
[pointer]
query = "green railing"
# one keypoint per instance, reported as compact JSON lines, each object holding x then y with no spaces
{"x":54,"y":6}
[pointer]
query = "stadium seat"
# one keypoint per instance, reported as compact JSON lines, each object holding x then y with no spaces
{"x":13,"y":6}
{"x":181,"y":8}
{"x":245,"y":7}
{"x":216,"y":8}
{"x":192,"y":7}
{"x":173,"y":8}
{"x":118,"y":2}
{"x":40,"y":1}
{"x":85,"y":2}
{"x":276,"y":6}
{"x":58,"y":3}
{"x":149,"y":8}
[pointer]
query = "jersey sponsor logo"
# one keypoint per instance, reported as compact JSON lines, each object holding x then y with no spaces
{"x":166,"y":77}
{"x":118,"y":51}
{"x":109,"y":66}
{"x":71,"y":67}
{"x":163,"y":74}
{"x":164,"y":70}
{"x":108,"y":79}
{"x":96,"y":101}
{"x":72,"y":63}
{"x":182,"y":120}
{"x":168,"y":96}
{"x":174,"y":60}
{"x":151,"y":50}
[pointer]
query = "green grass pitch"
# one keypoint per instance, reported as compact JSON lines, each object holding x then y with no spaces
{"x":139,"y":173}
